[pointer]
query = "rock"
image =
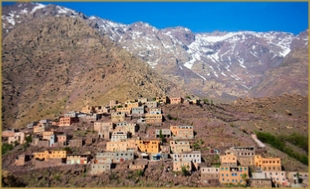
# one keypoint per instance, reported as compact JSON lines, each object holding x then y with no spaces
{"x":288,"y":112}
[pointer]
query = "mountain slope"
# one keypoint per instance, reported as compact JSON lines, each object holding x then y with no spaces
{"x":289,"y":77}
{"x":217,"y":65}
{"x":55,"y":64}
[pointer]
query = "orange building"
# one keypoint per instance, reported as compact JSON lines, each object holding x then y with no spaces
{"x":150,"y":146}
{"x":163,"y":99}
{"x":47,"y":135}
{"x":176,"y":100}
{"x":46,"y":155}
{"x":233,"y":175}
{"x":228,"y":160}
{"x":68,"y":121}
{"x":267,"y":164}
{"x":117,"y":146}
{"x":132,"y":105}
{"x":153,"y":118}
{"x":185,"y":132}
{"x":179,"y":146}
{"x":125,"y":110}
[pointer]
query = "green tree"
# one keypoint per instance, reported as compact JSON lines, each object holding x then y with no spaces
{"x":169,"y":117}
{"x":244,"y":177}
{"x":161,"y":136}
{"x":185,"y":170}
{"x":6,"y":147}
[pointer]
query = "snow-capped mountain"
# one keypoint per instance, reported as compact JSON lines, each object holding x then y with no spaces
{"x":218,"y":64}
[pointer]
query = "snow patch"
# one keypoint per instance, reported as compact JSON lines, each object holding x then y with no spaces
{"x":223,"y":74}
{"x":201,"y":76}
{"x":39,"y":6}
{"x":181,"y":67}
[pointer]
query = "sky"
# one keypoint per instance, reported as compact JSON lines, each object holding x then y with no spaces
{"x":202,"y":16}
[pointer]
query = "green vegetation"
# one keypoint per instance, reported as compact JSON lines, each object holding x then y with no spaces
{"x":298,"y":140}
{"x":188,"y":97}
{"x":206,"y":101}
{"x":6,"y":148}
{"x":197,"y":144}
{"x":161,"y":136}
{"x":184,"y":170}
{"x":68,"y":149}
{"x":139,"y":172}
{"x":278,"y":142}
{"x":171,"y":118}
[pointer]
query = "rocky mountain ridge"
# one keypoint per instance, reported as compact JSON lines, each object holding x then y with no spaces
{"x":54,"y":64}
{"x":217,"y":64}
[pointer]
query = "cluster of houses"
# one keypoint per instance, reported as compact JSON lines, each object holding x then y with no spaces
{"x":238,"y":165}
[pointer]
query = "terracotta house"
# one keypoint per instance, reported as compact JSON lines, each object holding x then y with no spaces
{"x":117,"y":146}
{"x":125,"y":110}
{"x":117,"y":117}
{"x":155,"y":110}
{"x":153,"y":118}
{"x":132,"y":105}
{"x":180,"y":146}
{"x":150,"y":146}
{"x":62,"y":139}
{"x":67,"y":121}
{"x":228,"y":160}
{"x":162,"y":99}
{"x":46,"y":155}
{"x":233,"y":175}
{"x":182,"y":132}
{"x":245,"y":155}
{"x":176,"y":100}
{"x":268,"y":164}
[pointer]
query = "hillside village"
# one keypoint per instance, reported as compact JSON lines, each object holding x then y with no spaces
{"x":132,"y":135}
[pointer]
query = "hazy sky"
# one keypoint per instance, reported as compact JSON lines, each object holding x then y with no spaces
{"x":203,"y":16}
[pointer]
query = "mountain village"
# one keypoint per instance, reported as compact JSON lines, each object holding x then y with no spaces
{"x":119,"y":130}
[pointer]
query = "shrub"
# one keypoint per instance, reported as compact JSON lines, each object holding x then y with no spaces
{"x":6,"y":148}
